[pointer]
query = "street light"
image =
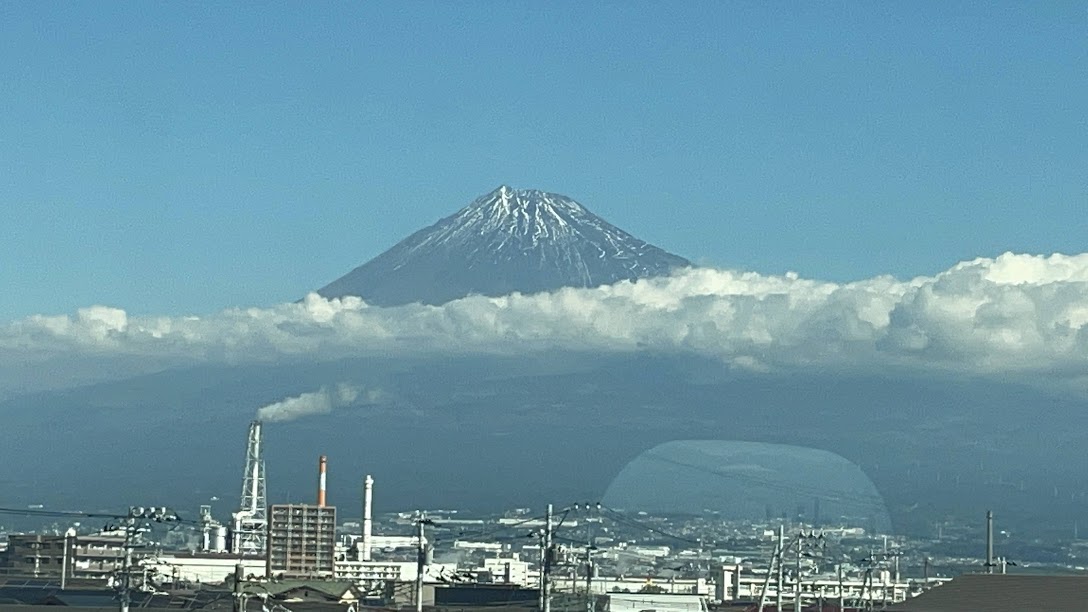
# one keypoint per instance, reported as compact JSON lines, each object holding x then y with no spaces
{"x":158,"y":514}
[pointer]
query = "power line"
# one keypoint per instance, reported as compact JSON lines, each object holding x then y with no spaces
{"x":865,"y":499}
{"x":618,"y":517}
{"x":58,"y":513}
{"x":73,"y":514}
{"x":496,"y":529}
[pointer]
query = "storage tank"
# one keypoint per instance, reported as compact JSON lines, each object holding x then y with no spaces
{"x":220,"y":539}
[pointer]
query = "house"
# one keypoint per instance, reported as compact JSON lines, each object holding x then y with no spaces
{"x":300,"y":591}
{"x":476,"y":595}
{"x":658,"y":602}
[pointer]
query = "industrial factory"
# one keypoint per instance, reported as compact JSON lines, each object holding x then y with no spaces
{"x":288,"y":541}
{"x":303,"y":557}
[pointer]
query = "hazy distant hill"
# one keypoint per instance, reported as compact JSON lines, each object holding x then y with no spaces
{"x":484,"y":432}
{"x":506,"y":241}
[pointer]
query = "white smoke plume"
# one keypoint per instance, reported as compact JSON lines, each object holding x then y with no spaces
{"x":1014,"y":315}
{"x":322,"y":401}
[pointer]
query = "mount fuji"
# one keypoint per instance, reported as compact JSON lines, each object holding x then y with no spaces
{"x":507,"y":241}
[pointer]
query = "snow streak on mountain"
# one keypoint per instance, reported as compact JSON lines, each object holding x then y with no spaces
{"x":506,"y":241}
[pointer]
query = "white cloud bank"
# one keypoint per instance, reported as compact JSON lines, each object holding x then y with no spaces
{"x":1020,"y":315}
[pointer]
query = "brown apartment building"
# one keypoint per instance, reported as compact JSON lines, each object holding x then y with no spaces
{"x":301,"y":540}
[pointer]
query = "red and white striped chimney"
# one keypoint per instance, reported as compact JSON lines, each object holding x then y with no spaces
{"x":321,"y":466}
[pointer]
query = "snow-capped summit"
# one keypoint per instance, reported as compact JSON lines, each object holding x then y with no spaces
{"x":506,"y":241}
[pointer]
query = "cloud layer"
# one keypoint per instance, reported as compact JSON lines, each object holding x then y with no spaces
{"x":1014,"y":315}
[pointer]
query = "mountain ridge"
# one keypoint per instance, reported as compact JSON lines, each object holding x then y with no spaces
{"x":506,"y":241}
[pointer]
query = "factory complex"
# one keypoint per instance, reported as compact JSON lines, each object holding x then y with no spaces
{"x":294,"y":557}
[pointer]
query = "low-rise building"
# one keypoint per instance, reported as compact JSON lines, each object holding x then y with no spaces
{"x":87,"y":557}
{"x":602,"y":585}
{"x":484,"y":546}
{"x":1003,"y":593}
{"x":659,"y":602}
{"x":370,"y":574}
{"x":734,"y":584}
{"x":509,"y":569}
{"x":205,"y":568}
{"x":386,"y":543}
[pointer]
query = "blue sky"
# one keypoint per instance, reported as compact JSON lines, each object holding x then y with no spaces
{"x":173,"y":158}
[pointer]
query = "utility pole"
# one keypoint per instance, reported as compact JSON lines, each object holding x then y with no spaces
{"x":589,"y":578}
{"x":158,"y":515}
{"x":842,"y":594}
{"x":867,"y":595}
{"x":797,"y":580}
{"x":542,"y":559}
{"x":68,"y":543}
{"x":865,"y":587}
{"x":421,"y":561}
{"x":781,"y":583}
{"x":546,"y":579}
{"x":989,"y":542}
{"x":883,"y":589}
{"x":775,"y":554}
{"x":239,"y":579}
{"x":126,"y":565}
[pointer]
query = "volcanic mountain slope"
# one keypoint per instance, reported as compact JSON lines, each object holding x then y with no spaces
{"x":506,"y":241}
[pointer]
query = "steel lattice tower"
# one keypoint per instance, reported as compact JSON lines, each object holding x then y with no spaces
{"x":250,"y":527}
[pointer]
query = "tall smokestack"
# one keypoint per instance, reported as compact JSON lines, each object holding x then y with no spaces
{"x":321,"y":467}
{"x":989,"y":542}
{"x":368,"y":501}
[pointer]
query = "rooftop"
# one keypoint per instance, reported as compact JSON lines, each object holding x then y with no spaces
{"x":1003,"y":593}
